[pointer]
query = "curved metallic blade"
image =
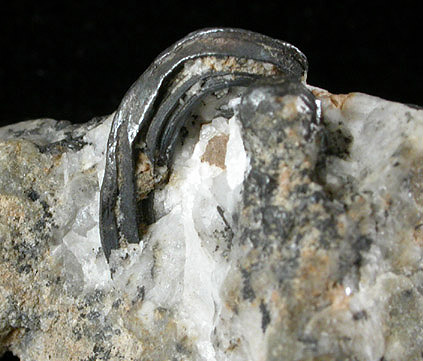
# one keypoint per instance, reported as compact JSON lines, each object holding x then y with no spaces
{"x":173,"y":126}
{"x":138,"y":106}
{"x":167,"y":107}
{"x":167,"y":117}
{"x":169,"y":138}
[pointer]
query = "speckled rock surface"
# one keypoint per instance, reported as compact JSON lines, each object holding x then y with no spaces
{"x":290,"y":229}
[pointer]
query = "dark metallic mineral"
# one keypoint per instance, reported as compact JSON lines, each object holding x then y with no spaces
{"x":152,"y":113}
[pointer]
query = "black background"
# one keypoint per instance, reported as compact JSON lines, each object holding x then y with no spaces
{"x":75,"y":60}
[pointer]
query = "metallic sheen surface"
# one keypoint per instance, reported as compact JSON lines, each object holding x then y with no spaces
{"x":147,"y":115}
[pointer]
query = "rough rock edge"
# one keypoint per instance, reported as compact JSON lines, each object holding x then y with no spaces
{"x":376,"y":297}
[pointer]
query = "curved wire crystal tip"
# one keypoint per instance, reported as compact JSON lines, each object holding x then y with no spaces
{"x":151,"y":115}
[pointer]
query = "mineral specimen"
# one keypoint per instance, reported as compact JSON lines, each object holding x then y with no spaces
{"x":284,"y":223}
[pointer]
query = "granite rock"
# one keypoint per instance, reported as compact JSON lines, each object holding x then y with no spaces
{"x":290,"y":228}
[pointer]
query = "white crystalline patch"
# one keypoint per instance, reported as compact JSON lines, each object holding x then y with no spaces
{"x":95,"y":270}
{"x":256,"y":97}
{"x":98,"y":142}
{"x":167,"y":245}
{"x":189,"y":208}
{"x":236,"y":158}
{"x":78,"y":213}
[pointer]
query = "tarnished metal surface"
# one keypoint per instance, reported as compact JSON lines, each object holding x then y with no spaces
{"x":151,"y":114}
